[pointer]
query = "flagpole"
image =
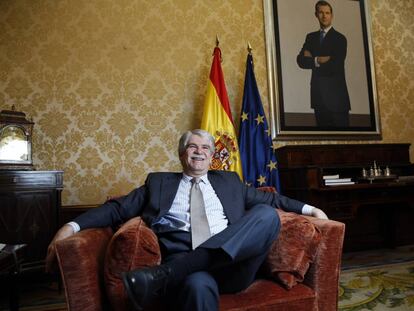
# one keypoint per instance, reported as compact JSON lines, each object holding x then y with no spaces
{"x":217,"y":46}
{"x":249,"y":48}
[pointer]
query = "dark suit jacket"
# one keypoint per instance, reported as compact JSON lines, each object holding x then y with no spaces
{"x":328,"y":85}
{"x":153,"y":200}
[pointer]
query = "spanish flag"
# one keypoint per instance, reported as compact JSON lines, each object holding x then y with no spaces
{"x":217,"y":120}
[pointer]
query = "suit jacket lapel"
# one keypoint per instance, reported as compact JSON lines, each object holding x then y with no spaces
{"x":168,"y":190}
{"x":219,"y":186}
{"x":328,"y":35}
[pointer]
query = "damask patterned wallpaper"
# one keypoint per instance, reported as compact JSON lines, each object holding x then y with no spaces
{"x":111,"y":85}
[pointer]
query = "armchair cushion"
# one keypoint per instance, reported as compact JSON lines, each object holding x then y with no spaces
{"x":292,"y":253}
{"x":133,"y":246}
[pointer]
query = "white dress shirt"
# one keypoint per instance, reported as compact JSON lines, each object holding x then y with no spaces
{"x":178,"y":216}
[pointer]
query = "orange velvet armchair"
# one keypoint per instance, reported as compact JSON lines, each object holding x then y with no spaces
{"x":91,"y":261}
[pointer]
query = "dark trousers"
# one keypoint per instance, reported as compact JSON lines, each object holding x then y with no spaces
{"x":326,"y":118}
{"x":246,"y":244}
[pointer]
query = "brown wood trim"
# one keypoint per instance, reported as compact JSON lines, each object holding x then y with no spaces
{"x":83,"y":206}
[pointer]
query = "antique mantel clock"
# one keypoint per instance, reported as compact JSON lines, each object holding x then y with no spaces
{"x":15,"y":140}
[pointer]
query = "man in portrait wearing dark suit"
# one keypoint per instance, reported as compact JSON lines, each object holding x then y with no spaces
{"x":214,"y":231}
{"x":324,"y":52}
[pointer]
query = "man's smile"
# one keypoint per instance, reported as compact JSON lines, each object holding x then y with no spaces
{"x":197,"y":158}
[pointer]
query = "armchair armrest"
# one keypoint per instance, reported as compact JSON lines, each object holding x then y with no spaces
{"x":323,"y":274}
{"x":80,"y":258}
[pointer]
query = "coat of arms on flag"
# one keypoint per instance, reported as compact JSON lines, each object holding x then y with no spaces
{"x":226,"y":147}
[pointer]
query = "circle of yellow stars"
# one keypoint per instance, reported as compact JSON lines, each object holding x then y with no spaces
{"x":272,"y":165}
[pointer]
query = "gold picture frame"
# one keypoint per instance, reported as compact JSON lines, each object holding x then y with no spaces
{"x":291,"y":115}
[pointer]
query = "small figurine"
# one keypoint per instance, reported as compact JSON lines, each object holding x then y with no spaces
{"x":375,"y":169}
{"x":364,"y":172}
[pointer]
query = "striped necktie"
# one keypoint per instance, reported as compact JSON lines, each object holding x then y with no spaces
{"x":321,"y":36}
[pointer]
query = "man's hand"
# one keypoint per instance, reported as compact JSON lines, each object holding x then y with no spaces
{"x":63,"y":233}
{"x":323,"y":59}
{"x":318,"y":213}
{"x":306,"y":53}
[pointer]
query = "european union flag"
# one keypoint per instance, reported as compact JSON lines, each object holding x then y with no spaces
{"x":257,"y":155}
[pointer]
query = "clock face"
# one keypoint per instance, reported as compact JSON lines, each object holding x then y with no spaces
{"x":15,"y":140}
{"x":13,"y":144}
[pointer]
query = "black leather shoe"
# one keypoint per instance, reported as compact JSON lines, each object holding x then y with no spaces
{"x":143,"y":285}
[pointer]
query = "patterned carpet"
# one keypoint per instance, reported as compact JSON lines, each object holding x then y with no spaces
{"x":385,"y":287}
{"x":378,"y":280}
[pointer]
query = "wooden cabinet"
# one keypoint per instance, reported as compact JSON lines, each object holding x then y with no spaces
{"x":30,"y":202}
{"x":376,"y":214}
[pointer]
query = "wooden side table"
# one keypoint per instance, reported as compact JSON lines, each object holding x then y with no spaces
{"x":11,"y":257}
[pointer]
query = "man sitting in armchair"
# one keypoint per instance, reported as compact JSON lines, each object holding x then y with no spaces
{"x":213,"y":230}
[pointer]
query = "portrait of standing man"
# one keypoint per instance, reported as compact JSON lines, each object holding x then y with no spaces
{"x":324,"y":52}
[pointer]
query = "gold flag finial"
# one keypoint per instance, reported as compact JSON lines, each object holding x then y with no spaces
{"x":217,"y":41}
{"x":249,"y":48}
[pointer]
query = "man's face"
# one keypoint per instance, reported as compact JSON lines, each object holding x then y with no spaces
{"x":197,"y":156}
{"x":324,"y":16}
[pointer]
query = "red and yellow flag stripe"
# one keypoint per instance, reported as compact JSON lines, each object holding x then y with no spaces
{"x":217,"y":120}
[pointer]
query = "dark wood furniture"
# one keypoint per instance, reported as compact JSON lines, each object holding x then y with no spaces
{"x":29,"y":209}
{"x":377,"y":214}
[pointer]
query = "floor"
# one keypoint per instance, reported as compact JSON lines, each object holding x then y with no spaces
{"x":36,"y":294}
{"x":377,"y":257}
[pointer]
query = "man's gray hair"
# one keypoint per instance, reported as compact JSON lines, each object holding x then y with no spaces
{"x":182,"y":145}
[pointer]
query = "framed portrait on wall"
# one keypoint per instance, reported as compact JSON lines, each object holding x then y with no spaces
{"x":321,"y":83}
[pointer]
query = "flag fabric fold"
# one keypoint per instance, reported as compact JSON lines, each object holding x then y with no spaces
{"x":259,"y":162}
{"x":217,"y":120}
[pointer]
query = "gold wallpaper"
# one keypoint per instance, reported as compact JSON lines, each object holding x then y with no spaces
{"x":111,"y":85}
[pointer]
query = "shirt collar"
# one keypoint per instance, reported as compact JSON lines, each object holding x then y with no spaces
{"x":203,"y":178}
{"x":326,"y":29}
